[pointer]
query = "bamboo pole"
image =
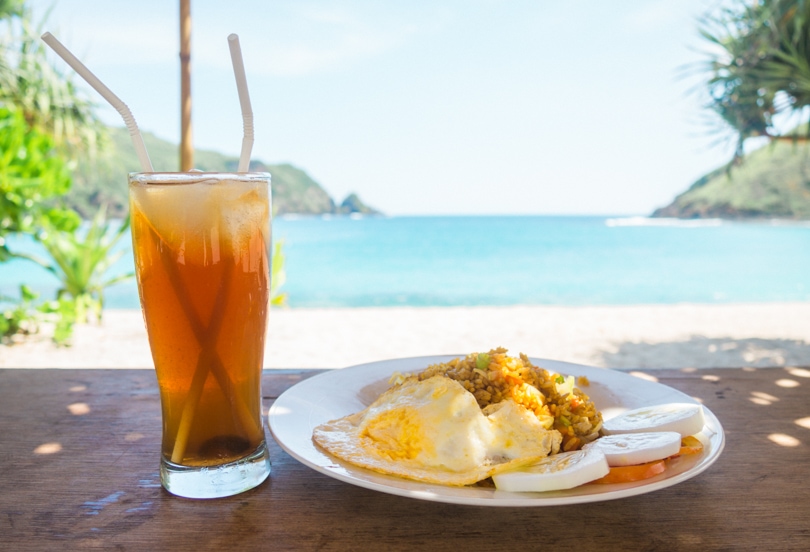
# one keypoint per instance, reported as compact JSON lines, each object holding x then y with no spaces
{"x":186,"y":143}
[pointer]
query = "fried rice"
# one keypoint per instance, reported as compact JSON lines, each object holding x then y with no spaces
{"x":494,"y":376}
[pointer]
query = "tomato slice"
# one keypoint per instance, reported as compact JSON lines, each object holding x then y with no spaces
{"x":638,"y":472}
{"x":689,"y":445}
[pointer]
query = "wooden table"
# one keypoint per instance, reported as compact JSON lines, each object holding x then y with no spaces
{"x":79,"y":457}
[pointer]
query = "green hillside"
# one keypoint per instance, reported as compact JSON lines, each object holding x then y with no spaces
{"x":103,"y":180}
{"x":772,"y":182}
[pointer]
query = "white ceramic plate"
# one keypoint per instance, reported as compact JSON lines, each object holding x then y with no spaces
{"x":337,"y":393}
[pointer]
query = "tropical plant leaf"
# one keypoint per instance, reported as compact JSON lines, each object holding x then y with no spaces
{"x":80,"y":260}
{"x":277,"y":275}
{"x":760,"y":64}
{"x":48,"y":98}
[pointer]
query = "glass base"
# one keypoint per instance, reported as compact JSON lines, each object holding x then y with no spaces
{"x":216,"y":481}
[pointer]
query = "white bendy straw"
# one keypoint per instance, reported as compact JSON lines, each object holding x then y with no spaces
{"x":101,"y":88}
{"x":244,"y":101}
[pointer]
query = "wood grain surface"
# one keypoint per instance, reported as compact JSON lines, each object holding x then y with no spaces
{"x":79,"y":458}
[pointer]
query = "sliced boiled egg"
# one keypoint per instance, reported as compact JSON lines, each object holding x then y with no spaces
{"x":683,"y":418}
{"x":637,"y":448}
{"x":565,"y":470}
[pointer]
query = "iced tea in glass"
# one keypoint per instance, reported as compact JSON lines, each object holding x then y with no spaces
{"x":202,"y":257}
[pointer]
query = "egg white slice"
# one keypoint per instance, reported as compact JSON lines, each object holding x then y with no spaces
{"x":684,"y":418}
{"x":629,"y":449}
{"x":434,"y":431}
{"x":565,"y":470}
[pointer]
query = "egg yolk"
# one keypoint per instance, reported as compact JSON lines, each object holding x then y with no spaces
{"x":397,"y":434}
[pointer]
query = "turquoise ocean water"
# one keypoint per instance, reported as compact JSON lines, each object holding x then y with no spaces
{"x":512,"y":260}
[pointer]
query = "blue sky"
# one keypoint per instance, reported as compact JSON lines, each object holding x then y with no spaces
{"x":427,"y":107}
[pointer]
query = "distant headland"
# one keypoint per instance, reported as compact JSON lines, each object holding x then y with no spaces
{"x":101,"y":179}
{"x":772,"y":182}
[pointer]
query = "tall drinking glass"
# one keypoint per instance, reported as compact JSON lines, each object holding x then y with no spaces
{"x":202,"y":258}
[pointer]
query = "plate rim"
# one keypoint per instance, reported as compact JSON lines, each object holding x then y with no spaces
{"x":503,"y":498}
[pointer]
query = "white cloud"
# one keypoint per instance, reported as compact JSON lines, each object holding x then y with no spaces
{"x":331,"y":14}
{"x":654,"y":14}
{"x":317,"y":37}
{"x":108,"y":46}
{"x":339,"y":51}
{"x":329,"y":50}
{"x":292,"y":39}
{"x":101,"y":38}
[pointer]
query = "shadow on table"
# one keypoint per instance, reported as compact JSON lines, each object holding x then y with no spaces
{"x":703,"y":352}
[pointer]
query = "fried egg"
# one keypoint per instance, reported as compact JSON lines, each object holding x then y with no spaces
{"x":434,"y":431}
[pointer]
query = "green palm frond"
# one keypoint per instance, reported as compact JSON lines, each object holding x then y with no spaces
{"x":11,"y":8}
{"x":760,"y":65}
{"x":49,"y":99}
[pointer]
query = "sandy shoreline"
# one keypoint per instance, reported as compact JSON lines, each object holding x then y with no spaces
{"x":645,"y":336}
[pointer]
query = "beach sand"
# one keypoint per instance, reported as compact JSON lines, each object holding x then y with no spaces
{"x":645,"y":336}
